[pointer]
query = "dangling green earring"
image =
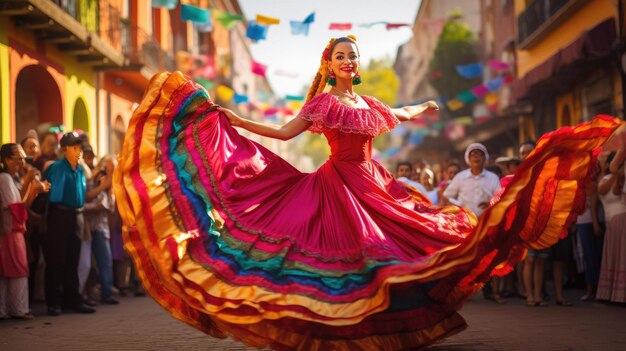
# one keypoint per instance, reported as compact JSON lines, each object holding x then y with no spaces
{"x":356,"y":80}
{"x":331,"y":79}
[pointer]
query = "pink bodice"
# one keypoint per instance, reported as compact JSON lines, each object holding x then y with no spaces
{"x":349,"y":130}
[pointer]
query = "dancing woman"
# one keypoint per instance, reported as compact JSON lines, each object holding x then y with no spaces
{"x":233,"y":240}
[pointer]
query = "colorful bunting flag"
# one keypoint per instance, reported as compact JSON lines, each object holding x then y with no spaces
{"x":204,"y":27}
{"x":464,"y":121}
{"x":473,"y":70}
{"x":224,"y":93}
{"x":294,"y":97}
{"x":205,"y":83}
{"x":266,"y":20}
{"x":168,"y":4}
{"x":454,"y":104}
{"x":205,"y":67}
{"x":389,"y":26}
{"x":491,"y":99}
{"x":258,"y":69}
{"x":495,"y":83}
{"x":370,"y":25}
{"x":498,"y":65}
{"x":228,"y":20}
{"x":194,"y":14}
{"x":271,"y":111}
{"x":302,"y":27}
{"x":340,"y":26}
{"x":256,"y":31}
{"x":239,"y":99}
{"x":479,"y":90}
{"x":466,"y":97}
{"x":263,"y":96}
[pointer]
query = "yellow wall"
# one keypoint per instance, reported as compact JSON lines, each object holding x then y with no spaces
{"x":5,"y":110}
{"x":79,"y":85}
{"x":588,"y":15}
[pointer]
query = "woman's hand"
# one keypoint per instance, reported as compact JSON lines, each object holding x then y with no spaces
{"x":426,"y":107}
{"x":234,"y":119}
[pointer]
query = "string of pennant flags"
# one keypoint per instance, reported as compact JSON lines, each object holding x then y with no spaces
{"x":203,"y":18}
{"x":203,"y":68}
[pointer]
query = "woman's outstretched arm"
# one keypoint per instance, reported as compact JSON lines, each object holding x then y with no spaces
{"x":284,"y":132}
{"x":408,"y":112}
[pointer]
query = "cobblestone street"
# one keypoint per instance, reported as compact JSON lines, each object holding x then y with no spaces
{"x":140,"y":324}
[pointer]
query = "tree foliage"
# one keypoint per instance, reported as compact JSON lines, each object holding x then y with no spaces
{"x":457,"y":45}
{"x":379,"y":80}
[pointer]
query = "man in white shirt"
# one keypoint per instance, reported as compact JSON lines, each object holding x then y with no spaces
{"x":473,"y":187}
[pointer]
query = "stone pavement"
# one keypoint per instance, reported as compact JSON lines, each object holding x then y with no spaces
{"x":140,"y":324}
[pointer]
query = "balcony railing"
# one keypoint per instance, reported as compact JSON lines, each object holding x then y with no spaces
{"x":138,"y":47}
{"x":537,"y":15}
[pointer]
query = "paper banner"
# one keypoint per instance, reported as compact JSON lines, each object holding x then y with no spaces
{"x":266,"y":20}
{"x":204,"y":27}
{"x":294,"y":105}
{"x":258,"y":69}
{"x":495,"y":84}
{"x":389,"y":26}
{"x":370,"y":25}
{"x":205,"y":83}
{"x":271,"y":111}
{"x":466,"y":97}
{"x":474,"y":70}
{"x":491,"y":99}
{"x":168,"y":4}
{"x":205,"y":67}
{"x":479,"y":90}
{"x":480,"y":111}
{"x":302,"y":28}
{"x":224,"y":93}
{"x":228,"y":20}
{"x":438,"y":125}
{"x":422,"y":131}
{"x":464,"y":121}
{"x":256,"y":31}
{"x":194,"y":14}
{"x":340,"y":26}
{"x":498,"y":65}
{"x":454,"y":132}
{"x":416,"y":138}
{"x":454,"y":104}
{"x":294,"y":97}
{"x":240,"y":99}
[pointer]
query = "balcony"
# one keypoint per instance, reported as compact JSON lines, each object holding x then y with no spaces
{"x":92,"y":31}
{"x":540,"y":17}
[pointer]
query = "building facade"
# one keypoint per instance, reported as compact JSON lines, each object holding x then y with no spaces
{"x":85,"y":64}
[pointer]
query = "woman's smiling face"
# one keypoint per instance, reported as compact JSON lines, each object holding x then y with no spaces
{"x":344,"y":60}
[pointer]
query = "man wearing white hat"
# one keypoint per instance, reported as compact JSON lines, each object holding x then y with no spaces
{"x":473,"y":187}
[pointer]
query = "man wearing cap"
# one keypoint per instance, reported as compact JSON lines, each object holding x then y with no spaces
{"x":61,"y":245}
{"x":473,"y":187}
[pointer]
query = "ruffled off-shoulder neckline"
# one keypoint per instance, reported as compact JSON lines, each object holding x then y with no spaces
{"x":326,"y":112}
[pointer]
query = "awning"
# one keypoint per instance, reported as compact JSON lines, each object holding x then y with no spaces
{"x":592,"y":44}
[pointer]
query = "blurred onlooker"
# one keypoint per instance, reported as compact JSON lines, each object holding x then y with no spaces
{"x":428,"y":182}
{"x":61,"y":245}
{"x":451,"y":170}
{"x":472,"y":189}
{"x":404,"y":171}
{"x":98,"y":210}
{"x":49,"y":145}
{"x":30,"y":144}
{"x":612,"y":282}
{"x":15,"y":197}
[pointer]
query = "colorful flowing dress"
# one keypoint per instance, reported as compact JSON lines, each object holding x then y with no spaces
{"x":233,"y":240}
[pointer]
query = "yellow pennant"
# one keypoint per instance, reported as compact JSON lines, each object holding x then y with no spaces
{"x":224,"y":93}
{"x":266,"y":20}
{"x":454,"y":104}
